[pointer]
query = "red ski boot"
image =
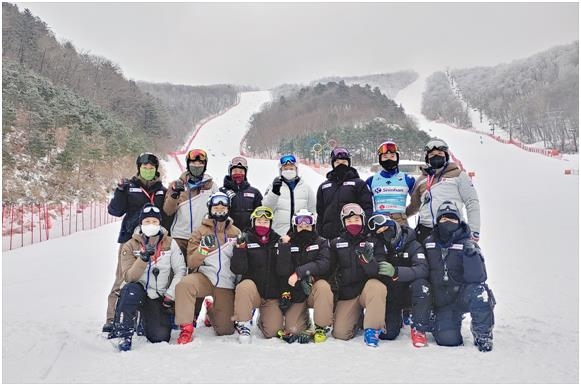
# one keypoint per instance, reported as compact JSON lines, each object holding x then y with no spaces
{"x":419,"y":338}
{"x":209,"y":303}
{"x":186,"y":333}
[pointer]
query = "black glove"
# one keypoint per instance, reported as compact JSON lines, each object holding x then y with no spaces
{"x":146,"y":254}
{"x":301,"y":337}
{"x":177,"y":187}
{"x":276,"y":185}
{"x":241,"y":239}
{"x":307,"y":284}
{"x":168,"y":305}
{"x":285,"y":301}
{"x":230,"y":193}
{"x":365,"y":255}
{"x":123,"y":184}
{"x":208,"y":241}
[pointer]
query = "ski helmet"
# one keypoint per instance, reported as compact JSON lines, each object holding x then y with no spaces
{"x":352,"y":209}
{"x":238,"y":162}
{"x":197,"y":155}
{"x":388,"y":146}
{"x":215,"y":199}
{"x":261,"y":211}
{"x":147,"y":158}
{"x":437,"y":144}
{"x":340,"y":153}
{"x":304,"y":216}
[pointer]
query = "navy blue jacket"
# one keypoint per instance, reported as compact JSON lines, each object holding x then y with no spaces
{"x":453,"y":264}
{"x":258,"y":263}
{"x":351,"y":275}
{"x":333,"y":194}
{"x":308,"y":256}
{"x":130,"y":201}
{"x":244,"y":202}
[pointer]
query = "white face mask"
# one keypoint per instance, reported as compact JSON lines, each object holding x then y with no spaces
{"x":289,"y":174}
{"x":150,"y":229}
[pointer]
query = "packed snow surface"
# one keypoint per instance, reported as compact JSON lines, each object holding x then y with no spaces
{"x":55,"y":292}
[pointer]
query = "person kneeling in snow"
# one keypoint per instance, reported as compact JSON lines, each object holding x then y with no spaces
{"x":147,"y":262}
{"x":303,"y":261}
{"x":458,"y":276}
{"x":209,"y":253}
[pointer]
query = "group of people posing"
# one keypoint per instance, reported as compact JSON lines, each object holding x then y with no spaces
{"x":346,"y":251}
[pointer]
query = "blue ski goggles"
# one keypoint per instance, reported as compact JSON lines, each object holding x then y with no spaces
{"x":286,"y":159}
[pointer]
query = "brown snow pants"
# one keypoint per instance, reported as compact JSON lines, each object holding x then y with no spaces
{"x":116,"y":289}
{"x":247,"y":298}
{"x":198,"y":285}
{"x":372,"y":299}
{"x":296,"y":318}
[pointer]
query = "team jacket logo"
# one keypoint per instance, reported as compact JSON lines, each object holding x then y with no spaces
{"x":325,"y":186}
{"x":347,"y":183}
{"x":249,"y":195}
{"x":313,"y":247}
{"x":343,"y":245}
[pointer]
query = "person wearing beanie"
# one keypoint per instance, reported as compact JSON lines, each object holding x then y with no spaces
{"x":288,"y":194}
{"x":243,"y":196}
{"x":209,"y":254}
{"x":442,"y":180}
{"x":342,"y":186}
{"x":390,"y":187}
{"x":405,"y":273}
{"x":255,"y":259}
{"x":458,"y":280}
{"x":355,"y":266}
{"x":128,"y":198}
{"x":151,"y":265}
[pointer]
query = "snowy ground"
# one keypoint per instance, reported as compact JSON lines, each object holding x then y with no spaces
{"x":52,"y":312}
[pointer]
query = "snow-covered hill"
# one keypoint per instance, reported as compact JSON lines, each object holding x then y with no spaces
{"x":54,"y":293}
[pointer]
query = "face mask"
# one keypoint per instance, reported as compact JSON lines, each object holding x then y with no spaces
{"x":289,"y":174}
{"x":388,"y":164}
{"x":437,"y":161}
{"x":150,"y":229}
{"x":261,"y":231}
{"x":238,"y":178}
{"x":446,"y":229}
{"x":388,"y":234}
{"x":354,"y":229}
{"x":341,"y":169}
{"x":147,"y":174}
{"x":196,"y":171}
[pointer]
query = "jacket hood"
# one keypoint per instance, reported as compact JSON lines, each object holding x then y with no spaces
{"x":460,"y":234}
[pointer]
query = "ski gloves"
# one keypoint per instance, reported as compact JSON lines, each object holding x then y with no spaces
{"x":276,"y":185}
{"x":365,"y":254}
{"x":206,"y":244}
{"x":177,"y":187}
{"x":387,"y":269}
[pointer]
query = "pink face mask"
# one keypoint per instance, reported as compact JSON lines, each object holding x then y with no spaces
{"x":238,"y":178}
{"x":261,"y":231}
{"x":354,"y":229}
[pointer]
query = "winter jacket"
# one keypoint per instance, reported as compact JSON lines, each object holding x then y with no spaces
{"x":168,"y":259}
{"x":244,"y":202}
{"x":453,"y":264}
{"x":351,"y":275}
{"x":130,"y":201}
{"x":408,"y":256}
{"x":305,"y":256}
{"x":189,"y":208}
{"x":216,"y":264}
{"x":258,"y":263}
{"x":288,"y":203}
{"x":333,"y":194}
{"x":390,"y":189}
{"x":450,"y":183}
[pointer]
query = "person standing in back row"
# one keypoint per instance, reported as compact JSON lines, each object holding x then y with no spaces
{"x":442,"y":180}
{"x":128,"y":199}
{"x":390,"y":187}
{"x":288,"y":194}
{"x":342,"y":186}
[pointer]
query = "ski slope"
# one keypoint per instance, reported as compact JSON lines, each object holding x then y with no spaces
{"x":54,"y":293}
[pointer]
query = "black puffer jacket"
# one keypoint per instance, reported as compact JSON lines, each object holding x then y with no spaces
{"x":305,"y":256}
{"x":336,"y":192}
{"x":453,"y":264}
{"x":130,"y":201}
{"x":247,"y":198}
{"x":351,"y":274}
{"x":258,"y":263}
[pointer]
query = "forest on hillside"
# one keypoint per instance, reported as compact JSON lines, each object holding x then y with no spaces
{"x":440,"y":103}
{"x":328,"y":111}
{"x":534,"y":99}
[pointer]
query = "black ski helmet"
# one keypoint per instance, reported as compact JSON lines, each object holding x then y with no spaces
{"x":147,"y":158}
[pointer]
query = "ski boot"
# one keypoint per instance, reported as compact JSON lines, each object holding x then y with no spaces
{"x":371,"y":337}
{"x":243,"y":329}
{"x":186,"y":333}
{"x":419,"y":338}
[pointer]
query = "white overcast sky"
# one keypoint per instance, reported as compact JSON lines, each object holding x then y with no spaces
{"x":265,"y":44}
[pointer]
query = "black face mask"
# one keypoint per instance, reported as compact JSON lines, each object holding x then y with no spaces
{"x":341,"y":169}
{"x":437,"y":161}
{"x":388,"y":164}
{"x":447,"y":229}
{"x":303,"y":236}
{"x":388,"y":235}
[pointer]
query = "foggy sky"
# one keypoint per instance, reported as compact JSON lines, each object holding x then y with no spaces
{"x":266,"y":44}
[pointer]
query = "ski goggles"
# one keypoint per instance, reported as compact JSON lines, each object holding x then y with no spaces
{"x":436,"y":144}
{"x":385,"y":147}
{"x":197,"y":155}
{"x":147,"y":158}
{"x":303,"y":219}
{"x":239,"y":161}
{"x":262,"y":211}
{"x":148,"y":209}
{"x":286,"y":159}
{"x":351,"y":209}
{"x":340,"y":153}
{"x":219,"y":200}
{"x":379,"y":220}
